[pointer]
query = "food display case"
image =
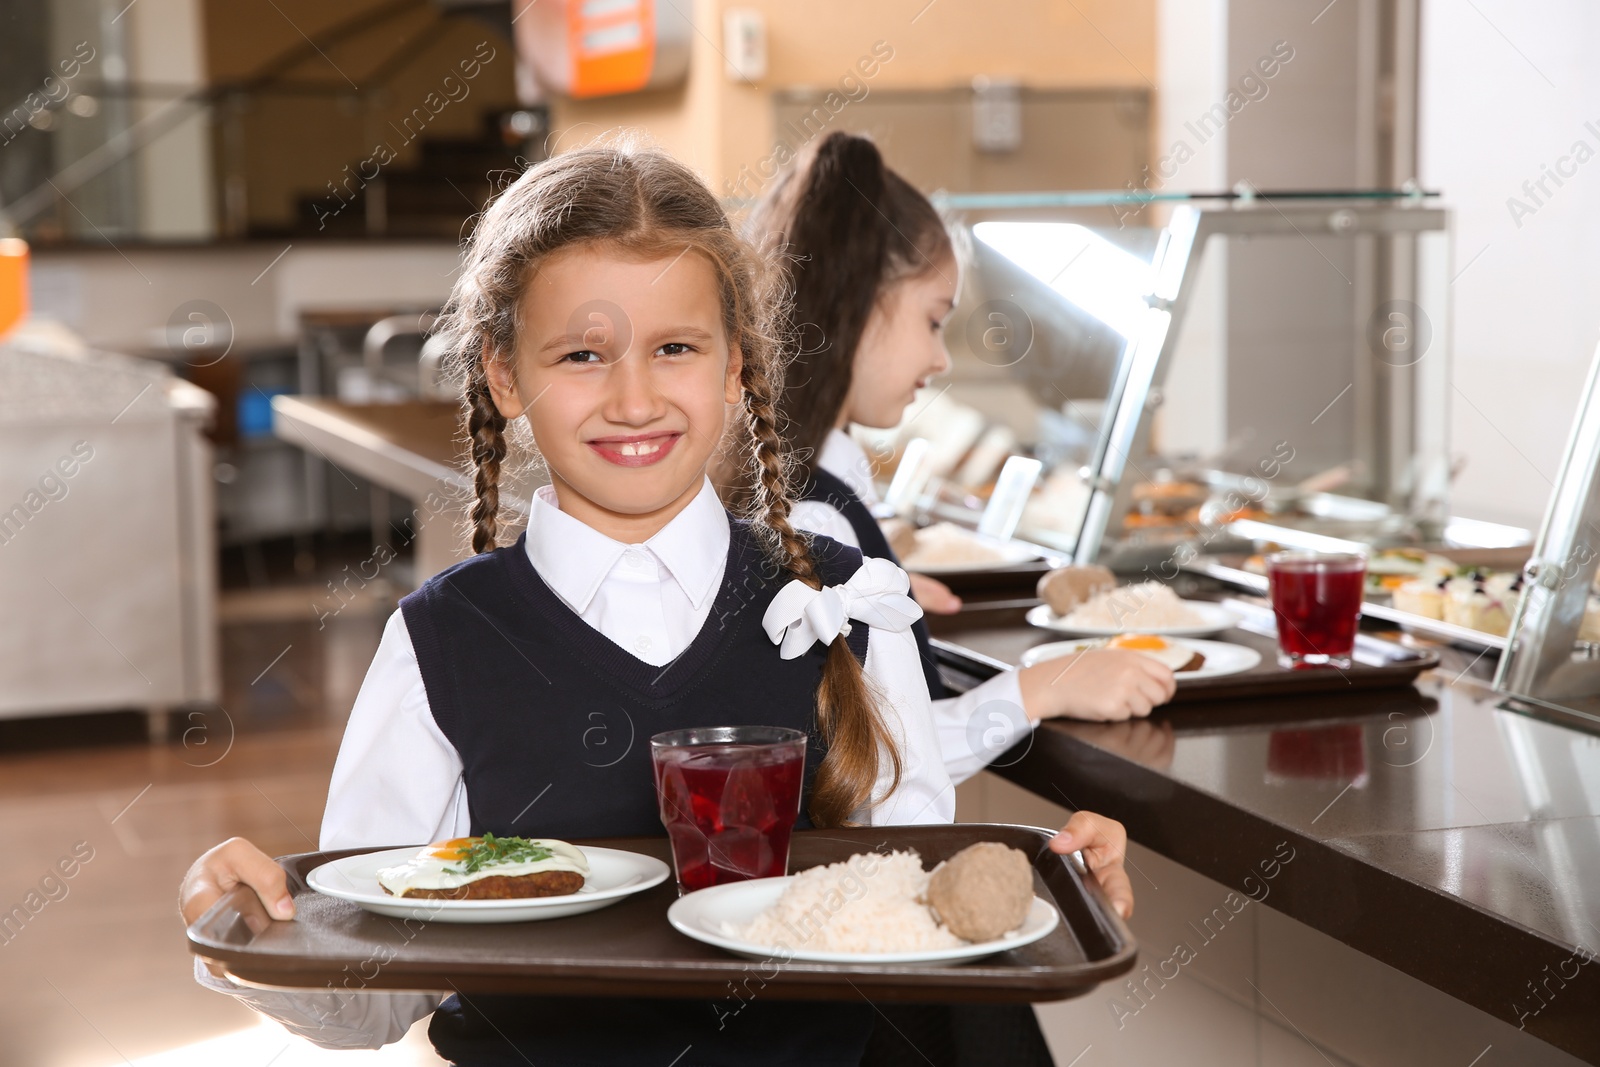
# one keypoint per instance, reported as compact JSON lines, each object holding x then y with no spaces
{"x":1208,"y":376}
{"x":1193,"y":357}
{"x":1205,"y":379}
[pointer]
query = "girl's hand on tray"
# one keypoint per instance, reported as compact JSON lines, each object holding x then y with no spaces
{"x":1103,"y":843}
{"x":1099,"y":685}
{"x":933,"y":596}
{"x":232,"y":863}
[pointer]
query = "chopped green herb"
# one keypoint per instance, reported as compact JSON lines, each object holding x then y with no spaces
{"x":492,"y":851}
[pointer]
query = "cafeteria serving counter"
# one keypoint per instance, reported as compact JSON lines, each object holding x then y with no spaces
{"x":1433,"y":828}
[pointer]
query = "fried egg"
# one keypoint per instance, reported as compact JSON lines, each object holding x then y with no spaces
{"x":1175,"y":654}
{"x":442,"y":864}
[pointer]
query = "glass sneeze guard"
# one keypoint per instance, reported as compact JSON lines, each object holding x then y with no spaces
{"x":1380,"y":257}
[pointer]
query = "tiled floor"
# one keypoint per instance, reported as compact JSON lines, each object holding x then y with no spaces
{"x":100,"y":976}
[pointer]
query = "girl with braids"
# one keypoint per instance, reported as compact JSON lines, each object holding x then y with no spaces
{"x":874,"y":275}
{"x":610,"y":319}
{"x":609,"y":316}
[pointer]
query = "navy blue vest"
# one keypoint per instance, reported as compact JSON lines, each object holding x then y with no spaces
{"x":830,"y":489}
{"x":552,"y":721}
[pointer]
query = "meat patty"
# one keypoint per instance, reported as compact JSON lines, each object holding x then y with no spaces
{"x":983,"y":891}
{"x":1066,"y":587}
{"x":501,"y":887}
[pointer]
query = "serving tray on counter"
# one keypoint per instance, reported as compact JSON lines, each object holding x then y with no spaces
{"x":629,"y":949}
{"x":984,"y":640}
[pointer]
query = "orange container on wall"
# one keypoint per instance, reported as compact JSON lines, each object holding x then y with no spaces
{"x":593,"y":48}
{"x":13,"y":283}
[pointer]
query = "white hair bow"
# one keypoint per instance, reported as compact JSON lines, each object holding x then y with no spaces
{"x":876,"y":595}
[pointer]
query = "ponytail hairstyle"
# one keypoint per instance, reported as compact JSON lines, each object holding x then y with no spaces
{"x":849,"y":228}
{"x":643,"y":203}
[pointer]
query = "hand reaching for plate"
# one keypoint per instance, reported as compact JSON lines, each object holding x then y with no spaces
{"x":1100,"y":685}
{"x":1104,"y":844}
{"x":933,"y":596}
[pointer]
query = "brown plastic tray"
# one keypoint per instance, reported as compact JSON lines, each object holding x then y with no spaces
{"x":628,"y":949}
{"x":983,"y":640}
{"x":1018,"y":580}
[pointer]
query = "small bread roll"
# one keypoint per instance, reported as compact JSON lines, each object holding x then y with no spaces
{"x":983,"y":891}
{"x":1066,"y":587}
{"x":902,"y":536}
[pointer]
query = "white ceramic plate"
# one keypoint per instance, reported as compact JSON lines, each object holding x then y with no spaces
{"x":1213,"y":620}
{"x":1221,"y":657}
{"x":613,"y":874}
{"x":1008,"y":553}
{"x":701,"y":915}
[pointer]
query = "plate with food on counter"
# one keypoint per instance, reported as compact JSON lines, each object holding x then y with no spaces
{"x":1478,"y":599}
{"x":945,"y":548}
{"x":1189,"y":659}
{"x":1086,"y":601}
{"x":877,"y":907}
{"x":488,"y":879}
{"x":1390,"y":568}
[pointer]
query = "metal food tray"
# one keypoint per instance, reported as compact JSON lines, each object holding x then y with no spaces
{"x":628,"y":949}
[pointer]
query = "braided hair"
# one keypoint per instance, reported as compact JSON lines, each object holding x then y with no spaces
{"x":642,"y":203}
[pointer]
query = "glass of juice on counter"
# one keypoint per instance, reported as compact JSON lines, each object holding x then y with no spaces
{"x":1316,"y":597}
{"x":729,"y":798}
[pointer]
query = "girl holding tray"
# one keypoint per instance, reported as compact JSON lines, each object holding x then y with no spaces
{"x":609,"y":317}
{"x":874,"y":275}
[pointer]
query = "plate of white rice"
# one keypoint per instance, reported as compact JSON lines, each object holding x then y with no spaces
{"x":1144,"y":607}
{"x":868,"y":909}
{"x":945,"y":548}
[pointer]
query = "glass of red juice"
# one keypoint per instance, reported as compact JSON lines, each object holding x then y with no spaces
{"x":1316,"y":597}
{"x":729,"y":798}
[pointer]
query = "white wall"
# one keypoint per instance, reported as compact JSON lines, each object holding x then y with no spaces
{"x":1193,"y":50}
{"x":1287,"y":86}
{"x":1507,"y":88}
{"x":128,"y":298}
{"x":164,"y":40}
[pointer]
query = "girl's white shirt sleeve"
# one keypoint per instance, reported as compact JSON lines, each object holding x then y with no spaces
{"x":925,"y":794}
{"x":974,"y":727}
{"x":397,"y":781}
